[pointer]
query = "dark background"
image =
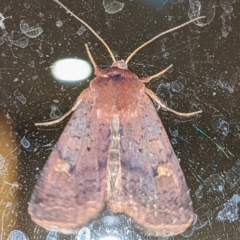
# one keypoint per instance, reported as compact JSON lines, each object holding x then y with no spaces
{"x":205,"y":76}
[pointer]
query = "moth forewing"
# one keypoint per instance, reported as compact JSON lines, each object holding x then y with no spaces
{"x":72,"y":188}
{"x":154,"y":191}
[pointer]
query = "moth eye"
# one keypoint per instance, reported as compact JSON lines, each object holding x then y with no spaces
{"x":140,"y":150}
{"x":89,"y":149}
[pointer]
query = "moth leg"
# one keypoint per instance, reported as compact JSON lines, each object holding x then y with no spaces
{"x":147,"y":79}
{"x":97,"y":71}
{"x":76,"y":104}
{"x":155,"y":98}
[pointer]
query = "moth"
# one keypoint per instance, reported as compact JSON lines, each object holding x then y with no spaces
{"x":115,"y":153}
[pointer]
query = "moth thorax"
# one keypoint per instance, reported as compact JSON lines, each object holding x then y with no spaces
{"x":114,"y":165}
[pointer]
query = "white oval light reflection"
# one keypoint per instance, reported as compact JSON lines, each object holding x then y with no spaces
{"x":71,"y":69}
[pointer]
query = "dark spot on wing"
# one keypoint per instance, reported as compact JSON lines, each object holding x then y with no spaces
{"x":154,"y":172}
{"x":116,"y":77}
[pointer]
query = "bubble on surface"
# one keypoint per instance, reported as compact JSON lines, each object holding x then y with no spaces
{"x":163,"y":91}
{"x":17,"y":235}
{"x":232,"y":176}
{"x":52,"y":236}
{"x":84,"y":234}
{"x":55,"y":113}
{"x":20,"y":97}
{"x":81,"y":30}
{"x":25,"y":143}
{"x":230,"y":210}
{"x":2,"y":19}
{"x":199,"y":192}
{"x":188,"y":232}
{"x":202,"y":8}
{"x":31,"y":32}
{"x":3,"y":38}
{"x":59,"y":23}
{"x":32,"y":64}
{"x":215,"y":182}
{"x":177,"y":86}
{"x":111,"y":220}
{"x":112,"y":6}
{"x":226,"y":16}
{"x":174,"y":133}
{"x":26,"y":5}
{"x":221,"y":126}
{"x":227,"y":81}
{"x":21,"y":42}
{"x":199,"y":223}
{"x":41,"y":15}
{"x":174,"y":141}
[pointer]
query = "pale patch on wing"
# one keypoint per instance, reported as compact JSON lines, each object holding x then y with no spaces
{"x":164,"y":170}
{"x":61,"y":166}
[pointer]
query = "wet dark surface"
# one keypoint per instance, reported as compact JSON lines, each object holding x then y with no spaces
{"x":205,"y":76}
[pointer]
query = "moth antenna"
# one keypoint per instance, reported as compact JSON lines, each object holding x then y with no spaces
{"x":149,"y":78}
{"x":161,"y":34}
{"x":91,"y":57}
{"x":160,"y":104}
{"x":75,"y":106}
{"x":85,"y":24}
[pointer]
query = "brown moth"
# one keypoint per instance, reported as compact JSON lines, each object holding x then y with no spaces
{"x":114,"y":152}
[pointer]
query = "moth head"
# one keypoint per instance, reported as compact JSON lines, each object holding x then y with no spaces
{"x":120,"y":64}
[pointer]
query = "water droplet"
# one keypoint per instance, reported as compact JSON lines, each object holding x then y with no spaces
{"x":21,"y":42}
{"x":174,"y":141}
{"x":55,"y":113}
{"x":25,"y":143}
{"x":81,"y":30}
{"x":230,"y":210}
{"x":31,"y":32}
{"x":199,"y":192}
{"x":84,"y":234}
{"x":17,"y":235}
{"x":176,"y":86}
{"x":52,"y":236}
{"x":112,"y":6}
{"x":20,"y":97}
{"x":59,"y":23}
{"x":215,"y":182}
{"x":32,"y":64}
{"x":174,"y":133}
